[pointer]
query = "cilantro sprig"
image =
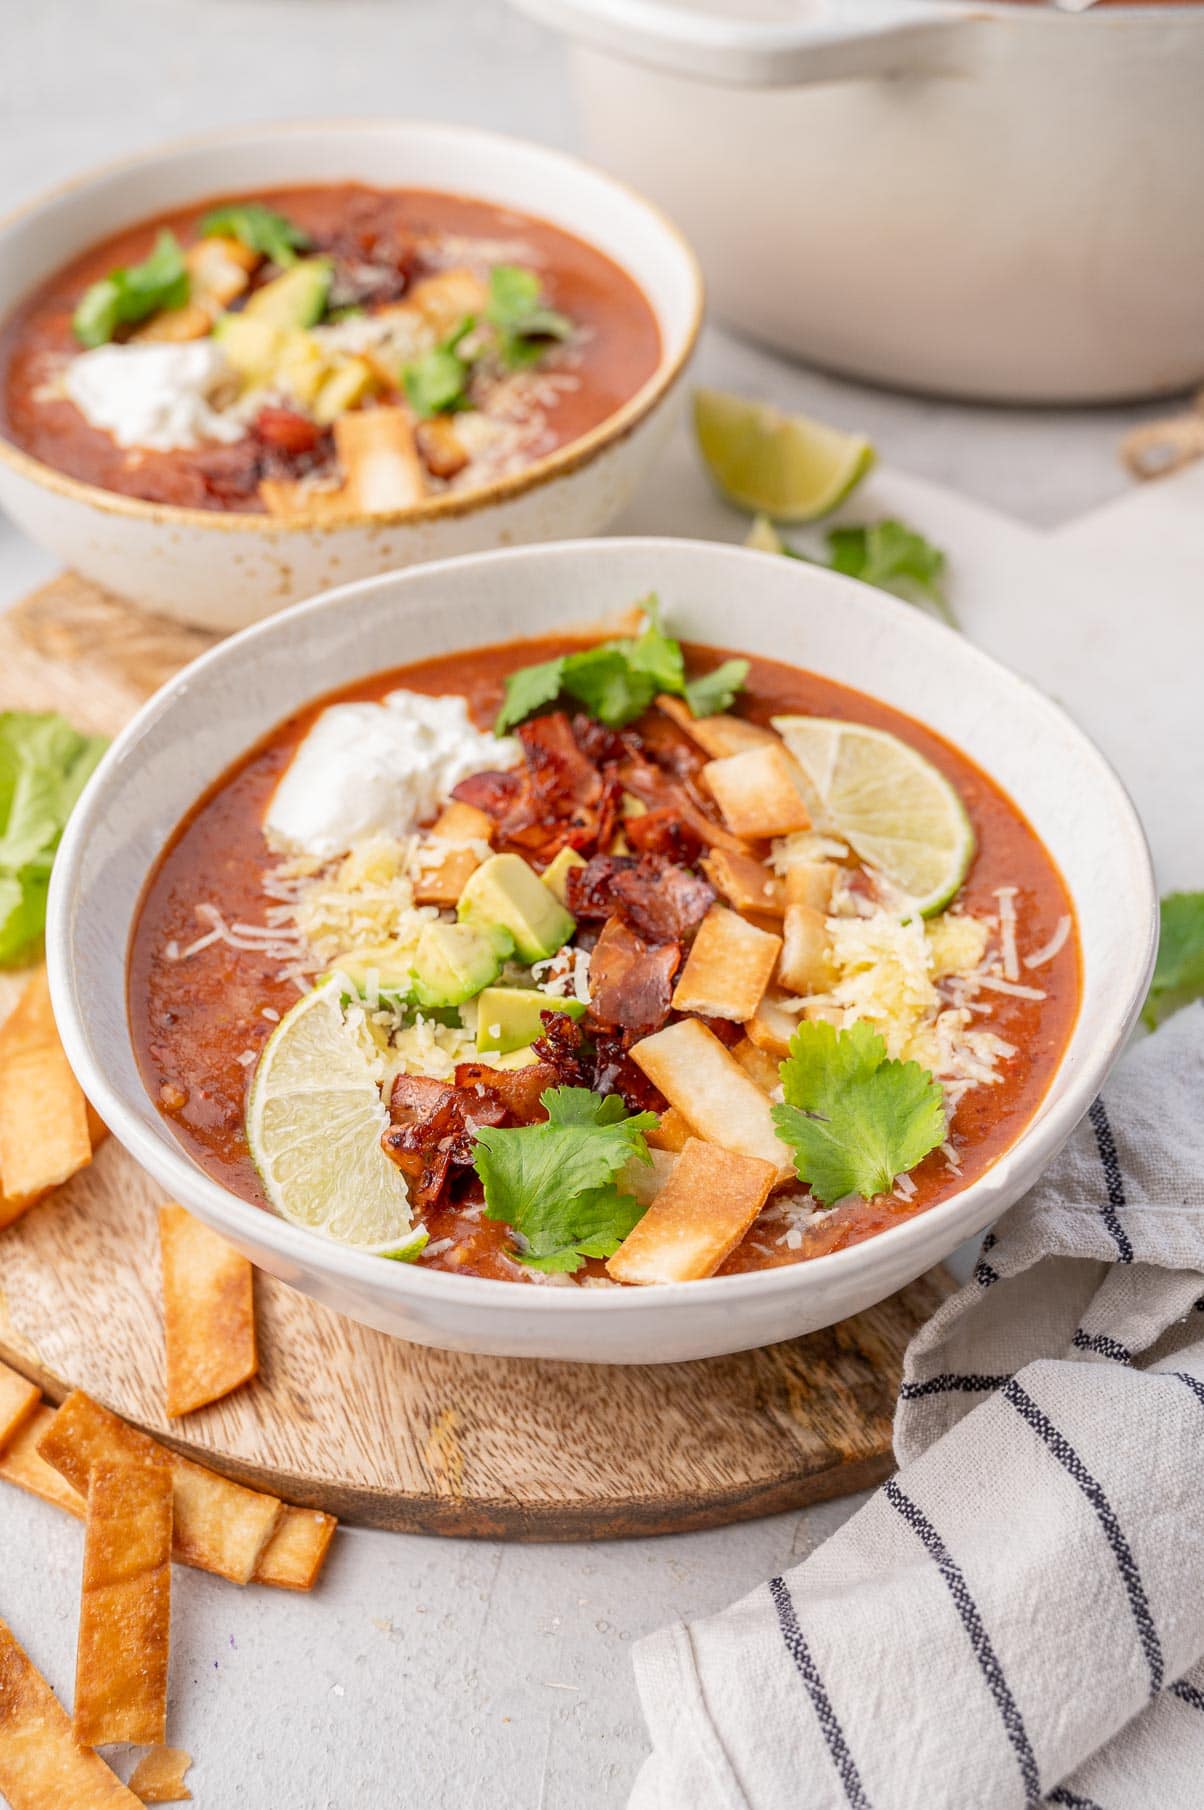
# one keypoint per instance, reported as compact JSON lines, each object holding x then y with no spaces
{"x":521,"y":319}
{"x":437,"y":382}
{"x":556,"y":1183}
{"x":129,"y":294}
{"x":1179,"y":969}
{"x":854,"y":1118}
{"x":887,"y":554}
{"x":617,"y":680}
{"x":44,"y":765}
{"x":259,"y":228}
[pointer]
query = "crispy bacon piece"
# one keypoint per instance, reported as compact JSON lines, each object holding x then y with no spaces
{"x":589,"y":890}
{"x":557,"y":799}
{"x":669,"y":747}
{"x":518,"y":1089}
{"x":661,"y":832}
{"x":631,"y":981}
{"x":432,"y":1132}
{"x":616,"y":1073}
{"x":284,"y":430}
{"x":655,"y":788}
{"x":495,"y":793}
{"x":597,"y":1060}
{"x":662,"y":902}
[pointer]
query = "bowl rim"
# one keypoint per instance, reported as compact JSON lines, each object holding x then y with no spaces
{"x":559,"y":463}
{"x":1034,"y":1146}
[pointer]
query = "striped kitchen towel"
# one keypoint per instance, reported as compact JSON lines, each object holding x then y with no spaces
{"x":1017,"y":1617}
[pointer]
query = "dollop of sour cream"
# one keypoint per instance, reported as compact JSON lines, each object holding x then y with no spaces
{"x":377,"y":769}
{"x":153,"y":396}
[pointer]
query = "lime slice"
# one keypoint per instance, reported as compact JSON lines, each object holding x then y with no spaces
{"x":783,"y":466}
{"x":887,"y":802}
{"x":314,"y":1121}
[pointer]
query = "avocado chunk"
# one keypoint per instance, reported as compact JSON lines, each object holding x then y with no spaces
{"x":505,"y":892}
{"x":252,"y":346}
{"x":454,"y":961}
{"x":555,"y":876}
{"x":389,"y":965}
{"x":509,"y":1017}
{"x":296,"y":299}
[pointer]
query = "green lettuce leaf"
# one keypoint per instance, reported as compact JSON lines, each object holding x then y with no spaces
{"x":1179,"y":969}
{"x":44,"y":766}
{"x":555,"y":1183}
{"x":854,"y":1118}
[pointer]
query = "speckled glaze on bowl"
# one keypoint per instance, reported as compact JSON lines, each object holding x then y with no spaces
{"x":224,"y":571}
{"x":205,"y":718}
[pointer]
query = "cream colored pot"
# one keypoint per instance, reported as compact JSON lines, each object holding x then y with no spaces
{"x":226,"y":571}
{"x":999,"y":201}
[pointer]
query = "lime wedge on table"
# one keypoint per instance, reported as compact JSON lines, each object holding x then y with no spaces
{"x":783,"y":466}
{"x":887,"y":802}
{"x":314,"y":1122}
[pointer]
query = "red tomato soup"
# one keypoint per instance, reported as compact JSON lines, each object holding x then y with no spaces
{"x":274,"y":341}
{"x":208,"y":984}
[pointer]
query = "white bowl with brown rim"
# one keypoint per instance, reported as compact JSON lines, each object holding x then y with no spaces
{"x":778,"y":609}
{"x":225,"y":570}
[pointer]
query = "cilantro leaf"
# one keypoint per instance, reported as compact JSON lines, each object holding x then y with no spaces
{"x":555,"y":1183}
{"x":437,"y":382}
{"x":716,"y":690}
{"x":1179,"y":969}
{"x":617,"y":680}
{"x":129,"y":295}
{"x":854,"y":1118}
{"x":893,"y":557}
{"x":44,"y":766}
{"x":524,"y":324}
{"x":526,"y":690}
{"x":259,"y":228}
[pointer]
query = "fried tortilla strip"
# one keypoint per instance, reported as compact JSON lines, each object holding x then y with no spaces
{"x":459,"y":841}
{"x":295,"y":498}
{"x":158,"y":1778}
{"x":208,"y":1312}
{"x":671,"y":1133}
{"x":804,"y":966}
{"x":705,"y":1082}
{"x":771,"y":1027}
{"x":717,"y":735}
{"x":746,"y":884}
{"x":42,"y":1766}
{"x":764,"y":1068}
{"x":758,"y":792}
{"x":125,"y":1604}
{"x":378,"y":457}
{"x":18,"y":1400}
{"x":729,"y":966}
{"x":22,"y":1463}
{"x":43,"y":1115}
{"x":218,"y":1525}
{"x":699,"y":1217}
{"x":296,"y":1551}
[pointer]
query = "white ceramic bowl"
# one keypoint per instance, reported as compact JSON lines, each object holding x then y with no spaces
{"x":201,"y":722}
{"x":225,"y":571}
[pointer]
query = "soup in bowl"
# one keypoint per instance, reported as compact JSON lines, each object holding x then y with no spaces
{"x":612,"y":994}
{"x":404,"y":340}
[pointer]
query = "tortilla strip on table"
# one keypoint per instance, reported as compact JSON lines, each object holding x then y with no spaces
{"x":296,"y":1550}
{"x":22,"y":1463}
{"x":44,"y":1137}
{"x":219,"y":1526}
{"x":42,"y":1766}
{"x":208,"y":1312}
{"x":158,"y":1778}
{"x":18,"y":1400}
{"x":125,"y":1604}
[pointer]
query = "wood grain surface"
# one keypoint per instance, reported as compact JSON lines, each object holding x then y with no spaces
{"x":374,"y":1430}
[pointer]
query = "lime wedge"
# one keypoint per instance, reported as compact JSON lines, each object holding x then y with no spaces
{"x":314,"y":1121}
{"x":887,"y":802}
{"x":783,"y":466}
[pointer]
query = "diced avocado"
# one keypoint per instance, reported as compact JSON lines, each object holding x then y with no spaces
{"x":346,"y":386}
{"x":454,"y":961}
{"x":508,"y":1017}
{"x":296,"y":299}
{"x":525,"y":1058}
{"x":252,"y":346}
{"x":555,"y":876}
{"x":504,"y":891}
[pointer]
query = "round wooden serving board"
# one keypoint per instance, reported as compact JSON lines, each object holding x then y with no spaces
{"x":364,"y":1426}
